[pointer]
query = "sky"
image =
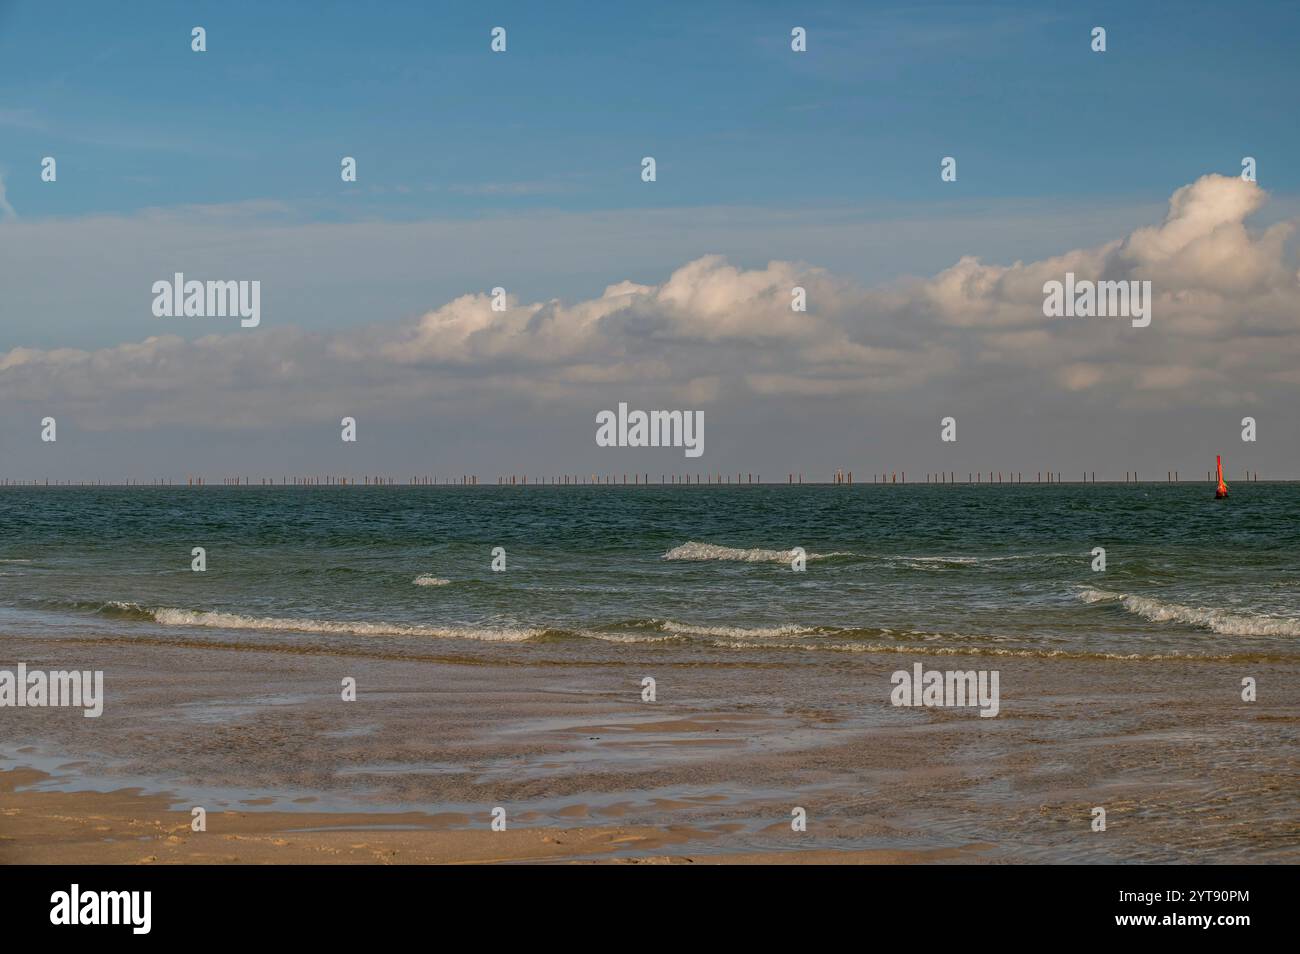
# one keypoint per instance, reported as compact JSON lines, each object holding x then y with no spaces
{"x":523,"y":170}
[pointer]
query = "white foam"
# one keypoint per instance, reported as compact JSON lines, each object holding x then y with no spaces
{"x":630,"y":637}
{"x":711,"y":551}
{"x":1219,"y":621}
{"x":181,"y":617}
{"x":927,"y":562}
{"x":736,"y":632}
{"x":424,"y":579}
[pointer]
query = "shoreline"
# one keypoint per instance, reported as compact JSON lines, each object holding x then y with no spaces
{"x":709,"y":772}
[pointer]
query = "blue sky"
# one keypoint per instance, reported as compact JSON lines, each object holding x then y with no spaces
{"x":442,"y":127}
{"x":522,"y":170}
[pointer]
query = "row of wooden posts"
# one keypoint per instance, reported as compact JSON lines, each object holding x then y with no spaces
{"x":1017,"y":477}
{"x":841,"y":477}
{"x":636,"y":481}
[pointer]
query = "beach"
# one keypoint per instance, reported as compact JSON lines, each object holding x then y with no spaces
{"x":125,"y":828}
{"x":585,"y":771}
{"x":521,"y":696}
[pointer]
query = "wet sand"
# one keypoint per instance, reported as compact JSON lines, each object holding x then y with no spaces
{"x":587,"y":771}
{"x":126,"y":827}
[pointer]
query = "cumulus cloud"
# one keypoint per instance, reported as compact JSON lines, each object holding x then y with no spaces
{"x":1226,"y":306}
{"x":712,"y":331}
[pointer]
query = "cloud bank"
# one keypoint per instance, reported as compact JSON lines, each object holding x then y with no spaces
{"x":1226,"y":313}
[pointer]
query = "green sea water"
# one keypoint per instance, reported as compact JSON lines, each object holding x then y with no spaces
{"x":700,"y":571}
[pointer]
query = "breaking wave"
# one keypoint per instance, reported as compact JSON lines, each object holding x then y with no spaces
{"x":788,"y":637}
{"x":180,"y":617}
{"x":1223,"y":622}
{"x":735,"y":632}
{"x":170,"y":616}
{"x":711,"y":551}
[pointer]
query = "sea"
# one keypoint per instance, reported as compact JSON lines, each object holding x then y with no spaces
{"x":773,"y":572}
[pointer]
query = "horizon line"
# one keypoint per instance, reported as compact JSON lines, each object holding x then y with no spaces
{"x":795,"y":479}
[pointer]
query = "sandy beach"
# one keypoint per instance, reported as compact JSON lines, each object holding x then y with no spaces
{"x":126,"y":827}
{"x":587,"y":771}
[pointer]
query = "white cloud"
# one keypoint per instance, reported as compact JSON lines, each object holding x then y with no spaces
{"x":1226,"y":307}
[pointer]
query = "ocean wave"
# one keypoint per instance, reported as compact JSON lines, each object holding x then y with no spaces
{"x":424,"y":579}
{"x":763,"y":632}
{"x":963,"y":560}
{"x":787,"y":637}
{"x":180,"y":617}
{"x":170,"y":616}
{"x":694,"y":550}
{"x":710,"y":634}
{"x":174,"y":616}
{"x":630,"y":638}
{"x":712,"y":551}
{"x":1220,"y":621}
{"x":113,"y":608}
